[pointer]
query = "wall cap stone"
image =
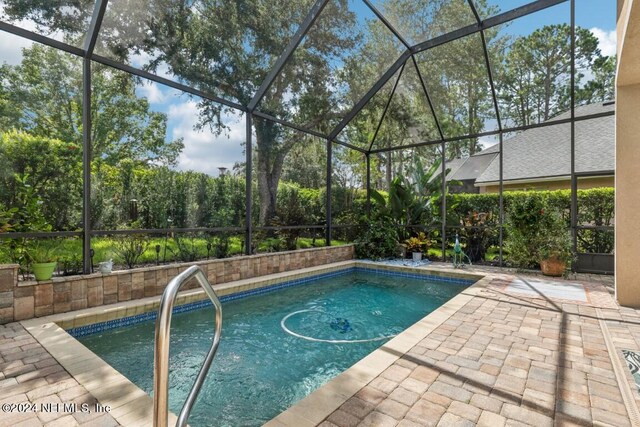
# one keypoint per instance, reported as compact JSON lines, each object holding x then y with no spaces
{"x":9,"y":266}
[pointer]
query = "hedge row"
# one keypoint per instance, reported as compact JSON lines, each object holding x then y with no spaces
{"x":595,"y":206}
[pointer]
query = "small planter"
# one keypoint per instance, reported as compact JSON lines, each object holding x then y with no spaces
{"x":417,"y":256}
{"x":43,"y":270}
{"x":553,"y":267}
{"x":105,"y":267}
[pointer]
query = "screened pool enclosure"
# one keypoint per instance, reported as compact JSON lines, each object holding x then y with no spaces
{"x":333,"y":98}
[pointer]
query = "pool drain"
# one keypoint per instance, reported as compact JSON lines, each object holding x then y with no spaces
{"x":339,"y":324}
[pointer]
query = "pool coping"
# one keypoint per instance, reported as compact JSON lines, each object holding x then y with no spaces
{"x":131,"y":406}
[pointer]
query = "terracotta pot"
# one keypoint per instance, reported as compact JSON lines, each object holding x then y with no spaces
{"x":553,"y":267}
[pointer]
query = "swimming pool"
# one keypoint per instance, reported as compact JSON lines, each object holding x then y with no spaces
{"x":277,"y":347}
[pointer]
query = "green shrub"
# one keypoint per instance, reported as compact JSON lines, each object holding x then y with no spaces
{"x":221,"y":245}
{"x":291,"y":212}
{"x":536,"y":231}
{"x":595,"y":207}
{"x":378,"y":241}
{"x":273,"y":244}
{"x":524,"y":223}
{"x":70,"y":265}
{"x":187,"y":248}
{"x":129,"y":248}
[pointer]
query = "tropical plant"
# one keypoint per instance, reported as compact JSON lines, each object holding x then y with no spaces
{"x":417,"y":243}
{"x":41,"y":251}
{"x":409,"y":201}
{"x":476,"y":232}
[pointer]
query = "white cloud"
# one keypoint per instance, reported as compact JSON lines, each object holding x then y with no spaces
{"x":203,"y":151}
{"x":140,"y":60}
{"x":11,"y":45}
{"x":607,"y":40}
{"x":152,"y":92}
{"x":11,"y":48}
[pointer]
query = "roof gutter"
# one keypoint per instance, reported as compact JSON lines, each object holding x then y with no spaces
{"x":534,"y":180}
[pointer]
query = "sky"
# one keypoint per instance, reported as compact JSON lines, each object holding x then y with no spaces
{"x":205,"y":152}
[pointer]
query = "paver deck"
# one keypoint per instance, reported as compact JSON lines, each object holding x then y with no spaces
{"x":510,"y":358}
{"x":506,"y":358}
{"x":31,"y":379}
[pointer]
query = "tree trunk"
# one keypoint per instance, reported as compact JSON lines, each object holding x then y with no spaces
{"x":270,"y":161}
{"x":388,"y":171}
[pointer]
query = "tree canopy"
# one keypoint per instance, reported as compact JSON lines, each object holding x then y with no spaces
{"x":227,"y":49}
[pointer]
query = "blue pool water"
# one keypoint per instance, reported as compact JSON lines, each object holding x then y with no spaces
{"x":275,"y":348}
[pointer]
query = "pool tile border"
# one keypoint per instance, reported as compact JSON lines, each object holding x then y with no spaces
{"x":99,"y":327}
{"x":414,"y":275}
{"x":95,"y":328}
{"x":131,"y":406}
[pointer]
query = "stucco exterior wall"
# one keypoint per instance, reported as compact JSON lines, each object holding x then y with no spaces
{"x":583,"y":184}
{"x":627,"y":268}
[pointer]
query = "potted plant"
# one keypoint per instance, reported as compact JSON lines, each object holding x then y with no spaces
{"x":554,"y":252}
{"x":43,"y":262}
{"x":538,"y":235}
{"x":415,"y":245}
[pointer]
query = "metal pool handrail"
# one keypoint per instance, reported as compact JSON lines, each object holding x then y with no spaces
{"x":161,"y":355}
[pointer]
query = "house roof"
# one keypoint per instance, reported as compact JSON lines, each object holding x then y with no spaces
{"x":467,"y":168}
{"x":472,"y":167}
{"x":546,"y":151}
{"x":452,"y":166}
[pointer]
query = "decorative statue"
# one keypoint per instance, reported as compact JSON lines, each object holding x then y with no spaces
{"x":459,"y":255}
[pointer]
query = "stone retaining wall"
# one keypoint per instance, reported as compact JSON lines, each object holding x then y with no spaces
{"x":26,"y":300}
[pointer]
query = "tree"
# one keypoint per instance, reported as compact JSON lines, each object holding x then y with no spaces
{"x":602,"y":87}
{"x":535,"y":75}
{"x":43,"y":95}
{"x":227,"y":49}
{"x":309,"y":168}
{"x":455,"y":76}
{"x":51,"y":168}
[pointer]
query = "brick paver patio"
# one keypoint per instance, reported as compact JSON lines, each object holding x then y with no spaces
{"x":507,"y":359}
{"x":30,"y":375}
{"x":504,"y":359}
